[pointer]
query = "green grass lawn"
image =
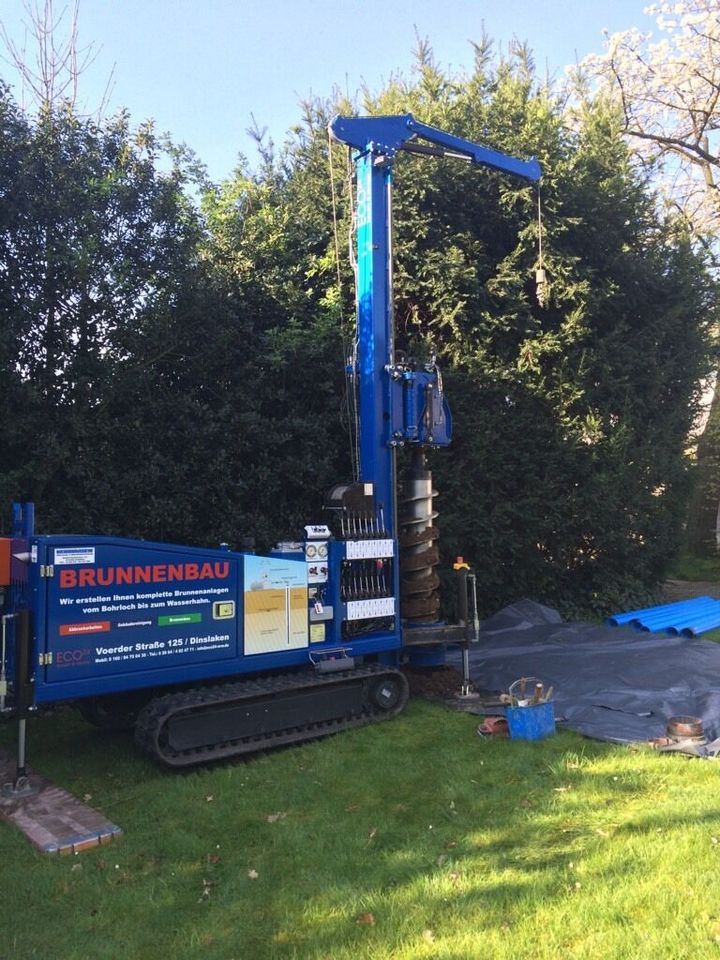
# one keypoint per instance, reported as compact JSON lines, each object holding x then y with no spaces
{"x":414,"y":838}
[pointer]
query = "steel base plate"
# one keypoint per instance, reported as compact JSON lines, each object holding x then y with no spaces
{"x":22,"y":787}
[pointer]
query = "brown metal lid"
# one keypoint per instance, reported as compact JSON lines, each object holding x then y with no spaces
{"x":685,"y":727}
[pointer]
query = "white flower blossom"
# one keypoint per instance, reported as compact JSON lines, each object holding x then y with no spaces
{"x":667,"y":87}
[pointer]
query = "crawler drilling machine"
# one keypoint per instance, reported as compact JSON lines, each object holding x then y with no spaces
{"x":213,"y":653}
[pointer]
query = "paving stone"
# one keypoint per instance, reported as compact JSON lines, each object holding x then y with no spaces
{"x":52,"y":819}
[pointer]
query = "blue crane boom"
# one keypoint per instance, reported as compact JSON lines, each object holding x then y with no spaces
{"x":385,"y":135}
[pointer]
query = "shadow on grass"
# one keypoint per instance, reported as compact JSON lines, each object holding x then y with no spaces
{"x":355,"y":846}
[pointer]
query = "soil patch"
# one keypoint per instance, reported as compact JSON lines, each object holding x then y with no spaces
{"x":433,"y":683}
{"x":443,"y":685}
{"x":673,"y":590}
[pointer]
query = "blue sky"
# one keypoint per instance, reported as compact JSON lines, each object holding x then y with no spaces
{"x":202,"y":68}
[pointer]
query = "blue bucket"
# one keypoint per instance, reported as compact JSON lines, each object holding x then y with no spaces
{"x":533,"y":722}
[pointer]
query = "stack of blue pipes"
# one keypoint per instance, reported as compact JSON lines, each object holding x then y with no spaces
{"x":686,"y":618}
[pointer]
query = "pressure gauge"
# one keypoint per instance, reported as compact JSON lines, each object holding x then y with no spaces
{"x":322,"y":550}
{"x":311,"y":551}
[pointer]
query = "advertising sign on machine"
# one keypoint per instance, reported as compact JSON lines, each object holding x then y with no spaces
{"x":109,"y":613}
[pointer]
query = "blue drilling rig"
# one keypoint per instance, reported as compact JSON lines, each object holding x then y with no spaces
{"x":213,"y":653}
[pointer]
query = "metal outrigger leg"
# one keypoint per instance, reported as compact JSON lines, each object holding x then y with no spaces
{"x":21,"y":786}
{"x":466,"y":688}
{"x":469,"y":613}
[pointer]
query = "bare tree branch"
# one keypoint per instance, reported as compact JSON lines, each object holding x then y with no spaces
{"x":668,"y":96}
{"x":52,"y":78}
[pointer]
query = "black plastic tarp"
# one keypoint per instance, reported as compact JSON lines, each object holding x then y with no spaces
{"x":611,"y":683}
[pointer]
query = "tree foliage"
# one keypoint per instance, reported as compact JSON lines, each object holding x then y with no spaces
{"x":566,"y":477}
{"x":667,"y":91}
{"x":177,"y":373}
{"x":98,"y":256}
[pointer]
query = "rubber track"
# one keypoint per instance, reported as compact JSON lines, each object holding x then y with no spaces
{"x":154,"y":716}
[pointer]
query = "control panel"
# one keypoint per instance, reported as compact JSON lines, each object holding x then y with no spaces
{"x":316,"y":550}
{"x":316,"y":553}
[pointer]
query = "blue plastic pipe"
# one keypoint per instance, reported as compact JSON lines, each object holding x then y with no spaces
{"x":673,"y":627}
{"x":620,"y":618}
{"x":694,"y":609}
{"x":701,"y":625}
